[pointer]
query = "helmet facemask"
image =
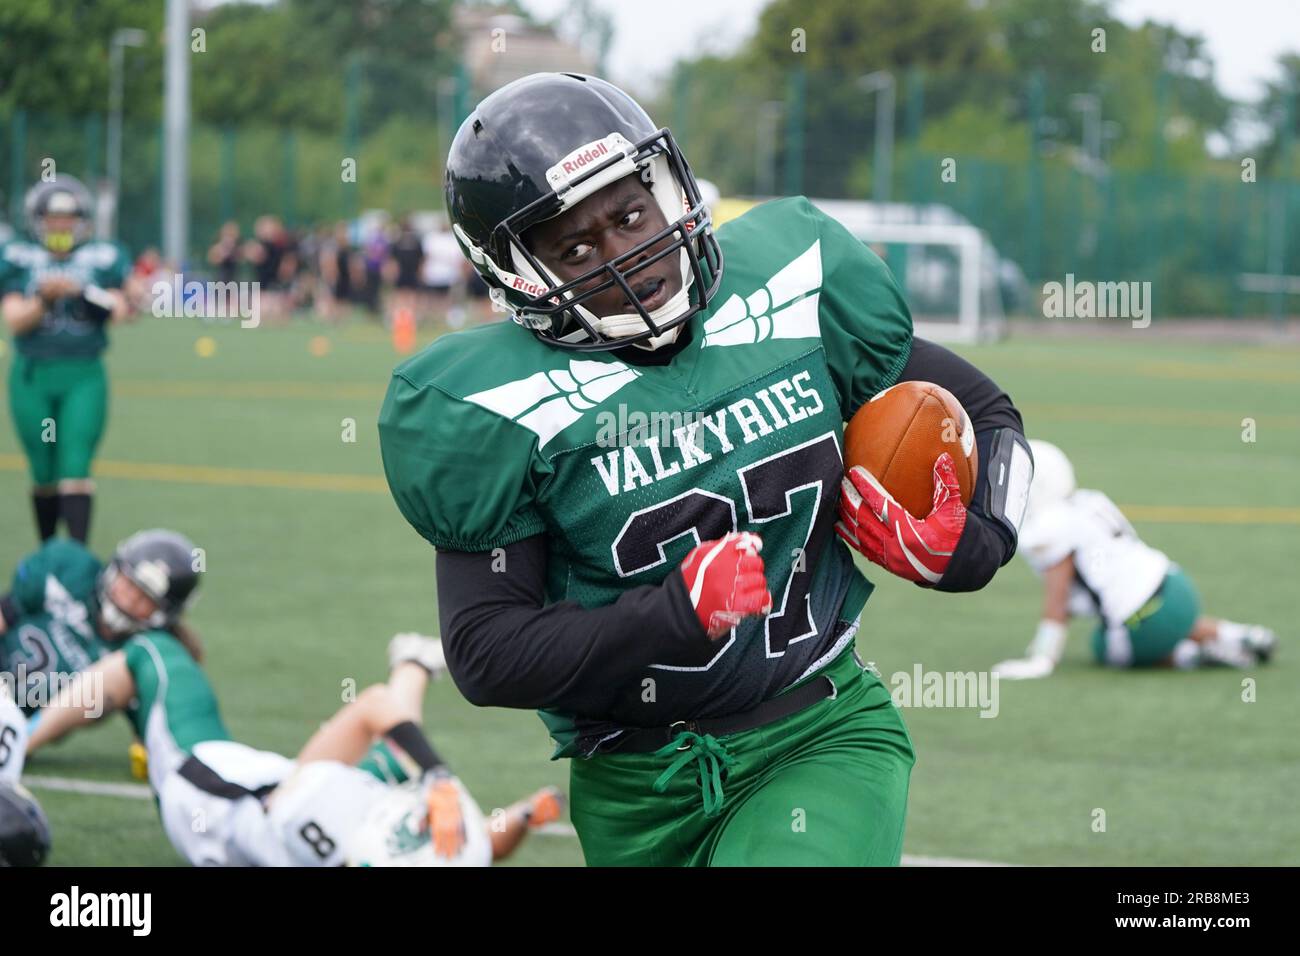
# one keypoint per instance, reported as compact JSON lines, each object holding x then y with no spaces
{"x":120,"y":622}
{"x":64,"y":197}
{"x":557,"y":310}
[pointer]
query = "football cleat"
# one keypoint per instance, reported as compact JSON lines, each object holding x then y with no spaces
{"x":1223,"y":652}
{"x":1261,"y":642}
{"x":418,"y":649}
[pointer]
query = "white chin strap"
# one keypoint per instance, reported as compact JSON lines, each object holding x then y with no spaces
{"x":629,"y":324}
{"x":668,"y":193}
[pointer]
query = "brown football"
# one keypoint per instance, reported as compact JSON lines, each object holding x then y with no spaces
{"x":898,"y":435}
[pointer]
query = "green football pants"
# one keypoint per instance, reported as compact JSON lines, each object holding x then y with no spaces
{"x":1152,"y":632}
{"x":826,"y":786}
{"x":59,"y":407}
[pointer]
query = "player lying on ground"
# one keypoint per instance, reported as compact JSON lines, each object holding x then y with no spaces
{"x":58,"y":293}
{"x":65,"y":610}
{"x":341,"y":800}
{"x":1094,"y":565}
{"x":607,"y":570}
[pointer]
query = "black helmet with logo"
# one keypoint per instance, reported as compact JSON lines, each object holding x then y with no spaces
{"x":539,"y":146}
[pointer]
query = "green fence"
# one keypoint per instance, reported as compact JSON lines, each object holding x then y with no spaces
{"x":1142,"y":211}
{"x":1147,"y":210}
{"x":235,"y":173}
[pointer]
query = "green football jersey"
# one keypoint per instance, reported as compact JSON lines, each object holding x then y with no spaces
{"x":68,"y":329}
{"x":490,"y":436}
{"x":174,"y":706}
{"x":54,"y":592}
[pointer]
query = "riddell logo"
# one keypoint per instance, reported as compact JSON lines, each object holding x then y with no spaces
{"x":584,"y":156}
{"x":527,"y":286}
{"x":588,"y":154}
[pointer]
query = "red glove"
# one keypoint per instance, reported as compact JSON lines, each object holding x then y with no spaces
{"x":725,"y":581}
{"x":876,"y":525}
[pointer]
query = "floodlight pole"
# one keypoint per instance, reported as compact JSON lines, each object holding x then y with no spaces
{"x":113,"y":162}
{"x":176,"y":129}
{"x":882,"y":84}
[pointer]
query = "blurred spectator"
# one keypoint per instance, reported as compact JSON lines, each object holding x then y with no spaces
{"x":224,"y":255}
{"x":326,"y":270}
{"x":374,"y":255}
{"x":274,"y":261}
{"x":335,"y":261}
{"x":147,"y":269}
{"x":444,"y":275}
{"x":406,"y":262}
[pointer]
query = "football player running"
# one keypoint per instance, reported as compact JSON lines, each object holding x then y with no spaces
{"x":58,"y":293}
{"x":632,"y":496}
{"x":1093,"y":564}
{"x":342,"y":800}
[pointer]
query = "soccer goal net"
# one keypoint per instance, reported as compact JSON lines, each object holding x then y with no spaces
{"x":949,"y":271}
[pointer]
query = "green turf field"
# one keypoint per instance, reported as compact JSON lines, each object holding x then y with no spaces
{"x":311,"y":569}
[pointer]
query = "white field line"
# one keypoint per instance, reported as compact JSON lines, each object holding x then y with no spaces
{"x":140,"y":791}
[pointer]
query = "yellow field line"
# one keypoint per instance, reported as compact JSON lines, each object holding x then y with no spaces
{"x":233,"y":477}
{"x":309,"y":481}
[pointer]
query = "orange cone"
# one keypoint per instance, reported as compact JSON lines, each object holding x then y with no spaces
{"x":404,"y":331}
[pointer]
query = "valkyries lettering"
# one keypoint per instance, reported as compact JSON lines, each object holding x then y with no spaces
{"x":103,"y":909}
{"x":743,"y":421}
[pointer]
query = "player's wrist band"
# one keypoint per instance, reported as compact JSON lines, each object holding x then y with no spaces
{"x":1008,"y":468}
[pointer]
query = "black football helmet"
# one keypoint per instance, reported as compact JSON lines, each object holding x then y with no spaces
{"x":537,"y":147}
{"x":160,"y":563}
{"x":62,"y":195}
{"x":24,"y":831}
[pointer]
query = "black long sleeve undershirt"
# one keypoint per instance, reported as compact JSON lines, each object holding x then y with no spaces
{"x":505,"y":647}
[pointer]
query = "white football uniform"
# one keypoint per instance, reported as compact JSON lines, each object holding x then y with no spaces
{"x":13,"y":737}
{"x":1115,"y":573}
{"x":317,"y":808}
{"x":330,"y":814}
{"x":211,"y":805}
{"x":231,"y":805}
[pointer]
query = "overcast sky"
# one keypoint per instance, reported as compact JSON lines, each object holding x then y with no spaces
{"x":1245,"y":36}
